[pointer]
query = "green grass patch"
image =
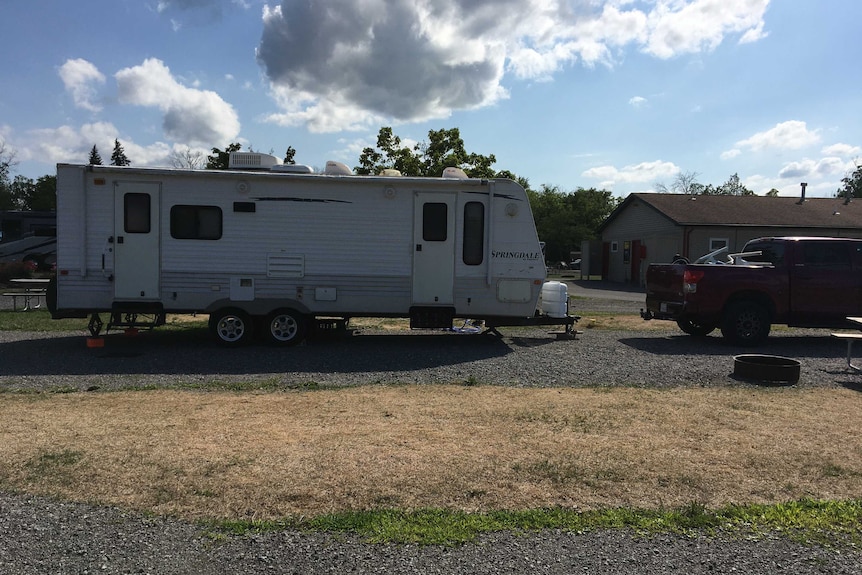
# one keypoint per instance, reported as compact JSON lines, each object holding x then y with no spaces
{"x":827,"y":523}
{"x":37,"y":320}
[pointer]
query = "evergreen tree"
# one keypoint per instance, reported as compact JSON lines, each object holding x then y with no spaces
{"x":289,"y":155}
{"x":118,"y":157}
{"x":95,"y":158}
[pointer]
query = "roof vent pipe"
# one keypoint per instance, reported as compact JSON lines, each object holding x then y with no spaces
{"x":804,"y":185}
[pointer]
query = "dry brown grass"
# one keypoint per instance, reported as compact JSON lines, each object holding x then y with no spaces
{"x":267,"y":455}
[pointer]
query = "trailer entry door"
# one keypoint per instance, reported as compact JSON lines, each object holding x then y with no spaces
{"x":433,"y":249}
{"x":136,"y":241}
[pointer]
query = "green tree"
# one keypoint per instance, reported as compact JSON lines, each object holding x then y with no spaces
{"x":289,"y":156}
{"x":95,"y":158}
{"x":38,"y":195}
{"x":389,"y":154}
{"x":732,"y":187}
{"x":220,"y":159}
{"x":773,"y":193}
{"x":565,"y":219}
{"x":118,"y":156}
{"x":851,"y":184}
{"x":7,"y":162}
{"x":444,"y":148}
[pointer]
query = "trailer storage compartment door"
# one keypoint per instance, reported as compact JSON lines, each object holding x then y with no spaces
{"x":434,"y":249}
{"x":136,"y":241}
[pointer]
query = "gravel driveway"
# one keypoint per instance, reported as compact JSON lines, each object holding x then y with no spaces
{"x":43,"y":536}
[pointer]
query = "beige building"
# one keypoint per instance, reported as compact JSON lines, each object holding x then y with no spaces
{"x":653,"y":228}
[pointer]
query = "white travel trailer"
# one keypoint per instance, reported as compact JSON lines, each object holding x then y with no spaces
{"x":275,"y":250}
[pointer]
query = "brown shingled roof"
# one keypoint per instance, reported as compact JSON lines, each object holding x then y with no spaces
{"x":711,"y":210}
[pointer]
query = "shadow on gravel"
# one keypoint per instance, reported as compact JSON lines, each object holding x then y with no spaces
{"x":194,"y":352}
{"x":794,"y":346}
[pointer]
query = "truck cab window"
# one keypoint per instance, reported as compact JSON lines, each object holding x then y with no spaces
{"x":825,"y":253}
{"x":771,"y":253}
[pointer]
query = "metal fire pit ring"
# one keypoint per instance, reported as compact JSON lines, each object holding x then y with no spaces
{"x":769,"y":368}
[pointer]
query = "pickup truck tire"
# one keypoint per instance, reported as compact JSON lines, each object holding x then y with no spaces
{"x":745,"y":323}
{"x":692,"y":327}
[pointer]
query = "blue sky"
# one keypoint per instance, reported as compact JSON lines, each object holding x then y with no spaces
{"x":613,"y":94}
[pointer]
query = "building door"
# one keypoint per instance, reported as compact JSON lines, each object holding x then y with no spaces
{"x":433,"y":249}
{"x":136,"y":241}
{"x":636,"y":262}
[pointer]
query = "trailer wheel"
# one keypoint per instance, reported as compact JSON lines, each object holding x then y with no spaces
{"x":745,"y":323}
{"x":695,"y":328}
{"x":231,"y":327}
{"x":285,"y":327}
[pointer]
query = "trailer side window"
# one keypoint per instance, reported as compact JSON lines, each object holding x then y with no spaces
{"x":136,"y":213}
{"x":474,"y":233}
{"x":434,"y":222}
{"x":196,"y":222}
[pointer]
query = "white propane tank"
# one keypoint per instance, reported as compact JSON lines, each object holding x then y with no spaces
{"x":555,"y":299}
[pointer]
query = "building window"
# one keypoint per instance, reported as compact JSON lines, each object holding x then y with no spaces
{"x":196,"y":222}
{"x":615,"y":247}
{"x":718,"y":243}
{"x":474,"y":233}
{"x":435,"y":222}
{"x":136,"y":213}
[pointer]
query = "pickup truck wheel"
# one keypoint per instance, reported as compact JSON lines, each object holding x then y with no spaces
{"x":231,"y":327}
{"x":745,"y":323}
{"x":695,"y":328}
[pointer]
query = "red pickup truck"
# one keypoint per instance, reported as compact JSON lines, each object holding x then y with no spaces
{"x":797,"y":281}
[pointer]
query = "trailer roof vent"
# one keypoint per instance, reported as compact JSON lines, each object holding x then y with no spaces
{"x":252,"y":161}
{"x":334,"y":168}
{"x":455,"y":173}
{"x":293,"y":169}
{"x":390,"y":173}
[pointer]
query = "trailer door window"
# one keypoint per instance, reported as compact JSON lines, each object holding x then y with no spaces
{"x":136,"y":213}
{"x":434,"y":222}
{"x":474,"y":233}
{"x":196,"y":222}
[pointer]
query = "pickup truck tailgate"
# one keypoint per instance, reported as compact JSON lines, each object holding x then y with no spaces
{"x":664,"y":289}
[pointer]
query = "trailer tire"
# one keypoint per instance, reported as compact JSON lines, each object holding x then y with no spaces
{"x":231,"y":327}
{"x":695,"y":328}
{"x":745,"y":323}
{"x":285,"y":327}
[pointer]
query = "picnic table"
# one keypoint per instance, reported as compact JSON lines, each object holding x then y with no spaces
{"x":30,"y":291}
{"x":850,"y":338}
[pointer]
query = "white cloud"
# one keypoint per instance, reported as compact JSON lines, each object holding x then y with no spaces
{"x":191,"y":116}
{"x":637,"y":173}
{"x":842,"y":150}
{"x":68,"y":144}
{"x":806,"y":167}
{"x":637,"y":101}
{"x":82,"y":80}
{"x":678,"y":27}
{"x":730,"y":154}
{"x":411,"y":60}
{"x":791,"y":135}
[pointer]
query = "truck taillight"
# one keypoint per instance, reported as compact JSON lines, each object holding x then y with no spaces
{"x":690,"y":279}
